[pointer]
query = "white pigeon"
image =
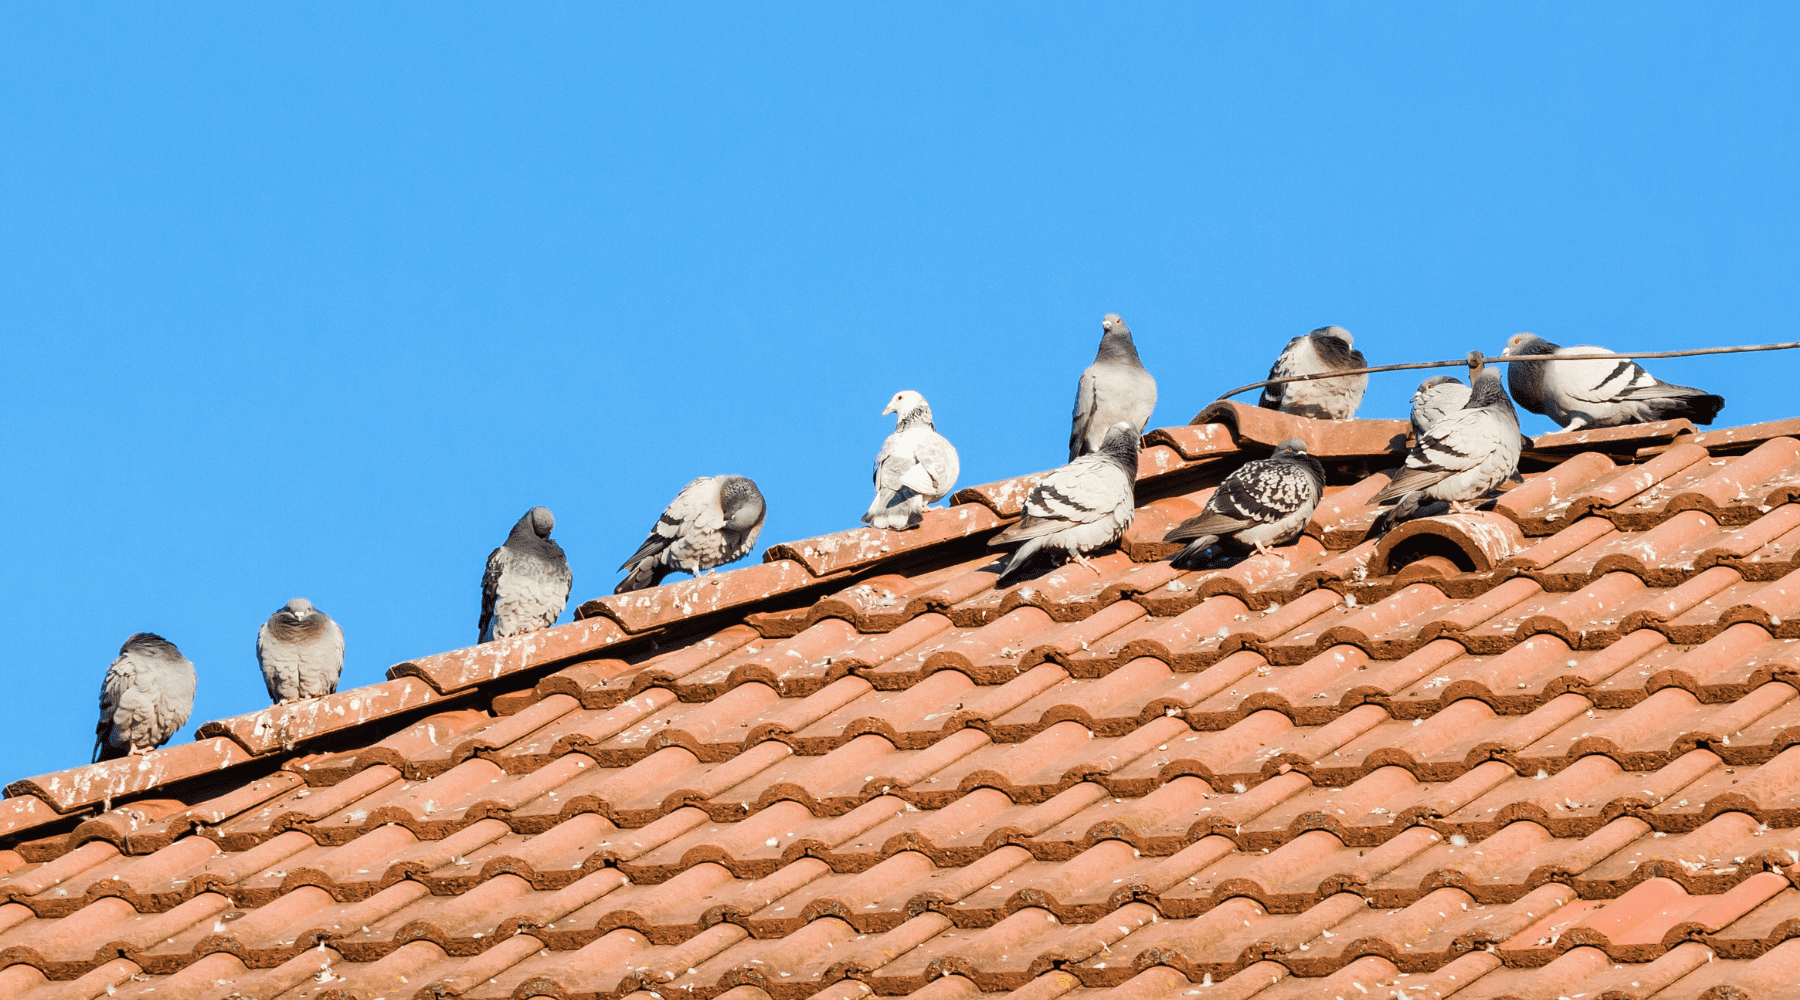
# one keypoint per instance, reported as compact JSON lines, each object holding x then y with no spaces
{"x":1323,"y":350}
{"x":916,"y":466}
{"x":527,"y":581}
{"x":301,"y":651}
{"x":1464,"y":454}
{"x":1598,"y":393}
{"x":1080,"y":507}
{"x":714,"y":520}
{"x":1265,"y":502}
{"x":145,"y":699}
{"x":1435,"y":397}
{"x":1116,"y":387}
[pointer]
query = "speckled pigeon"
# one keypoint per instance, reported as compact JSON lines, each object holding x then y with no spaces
{"x":1598,"y":393}
{"x":1323,"y":350}
{"x":1464,"y":454}
{"x":714,"y":520}
{"x":1116,"y":387}
{"x":301,"y":651}
{"x":916,"y":466}
{"x":1080,"y":507}
{"x":145,"y":699}
{"x":1265,"y":502}
{"x":527,"y":581}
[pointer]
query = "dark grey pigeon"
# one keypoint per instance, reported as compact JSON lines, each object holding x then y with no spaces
{"x":527,"y":582}
{"x":1265,"y":502}
{"x":1598,"y":393}
{"x":1083,"y":506}
{"x":1463,"y":455}
{"x":145,"y":699}
{"x":1324,"y":350}
{"x":301,"y":651}
{"x":1116,"y":387}
{"x":714,"y":520}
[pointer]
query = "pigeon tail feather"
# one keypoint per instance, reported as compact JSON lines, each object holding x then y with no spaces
{"x":1016,"y":562}
{"x":1186,"y":557}
{"x":1408,"y":481}
{"x":645,"y":574}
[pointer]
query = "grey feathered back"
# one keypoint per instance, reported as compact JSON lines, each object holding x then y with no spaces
{"x":1464,"y":454}
{"x":1116,"y":387}
{"x":527,"y":582}
{"x":1600,"y":392}
{"x":714,"y":520}
{"x":301,"y":652}
{"x":1078,"y":508}
{"x":145,"y":697}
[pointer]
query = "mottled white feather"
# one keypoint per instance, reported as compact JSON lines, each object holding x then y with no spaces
{"x":916,"y":466}
{"x":714,"y":520}
{"x":1264,"y":502}
{"x":1323,"y":350}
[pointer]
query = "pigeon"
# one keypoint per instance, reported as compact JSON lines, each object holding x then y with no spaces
{"x":714,"y":520}
{"x":1464,"y":454}
{"x":1114,"y":388}
{"x":527,"y":581}
{"x":1579,"y":394}
{"x":301,"y":651}
{"x":1080,"y":507}
{"x":916,"y":466}
{"x":146,"y":698}
{"x":1323,"y":350}
{"x":1265,"y":502}
{"x":1435,"y":397}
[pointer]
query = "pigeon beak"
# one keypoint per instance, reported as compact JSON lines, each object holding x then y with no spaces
{"x":890,"y":409}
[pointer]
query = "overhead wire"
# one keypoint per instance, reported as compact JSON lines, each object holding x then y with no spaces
{"x":1508,"y":358}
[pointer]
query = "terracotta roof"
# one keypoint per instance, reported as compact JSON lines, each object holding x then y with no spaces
{"x":1552,"y":749}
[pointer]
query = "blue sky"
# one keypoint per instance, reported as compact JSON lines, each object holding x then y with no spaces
{"x":317,"y":299}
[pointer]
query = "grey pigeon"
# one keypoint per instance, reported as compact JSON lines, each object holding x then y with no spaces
{"x":916,"y":466}
{"x":1080,"y":507}
{"x":145,"y":699}
{"x":1598,"y":393}
{"x":1116,"y":387}
{"x":301,"y":651}
{"x":714,"y":520}
{"x":1323,"y":350}
{"x":1265,"y":502}
{"x":1464,"y":454}
{"x":527,"y":581}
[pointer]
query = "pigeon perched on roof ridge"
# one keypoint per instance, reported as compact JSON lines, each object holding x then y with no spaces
{"x":1078,"y":508}
{"x":145,"y":697}
{"x":527,"y":582}
{"x":1329,"y":348}
{"x":301,"y":652}
{"x":1440,"y":395}
{"x":1116,"y":387}
{"x":714,"y":520}
{"x":1264,"y":502}
{"x":916,"y":466}
{"x":1598,"y":393}
{"x":1465,"y":454}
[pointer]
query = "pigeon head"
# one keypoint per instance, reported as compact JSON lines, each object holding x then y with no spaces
{"x":1115,"y":341}
{"x":1121,"y":446}
{"x":542,"y":521}
{"x":149,"y":643}
{"x":1439,"y":380}
{"x":1334,"y":333}
{"x":1527,"y":343}
{"x":1486,"y":387}
{"x":297,"y":610}
{"x":741,"y":502}
{"x":910,"y":406}
{"x":1292,"y":446}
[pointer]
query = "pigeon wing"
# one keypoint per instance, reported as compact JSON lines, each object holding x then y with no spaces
{"x":1078,"y":493}
{"x":1259,"y":493}
{"x":1087,"y":402}
{"x":490,"y":590}
{"x":1282,"y":368}
{"x":685,"y":513}
{"x":1460,"y":441}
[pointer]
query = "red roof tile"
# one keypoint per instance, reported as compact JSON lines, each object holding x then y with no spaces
{"x":1546,"y":750}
